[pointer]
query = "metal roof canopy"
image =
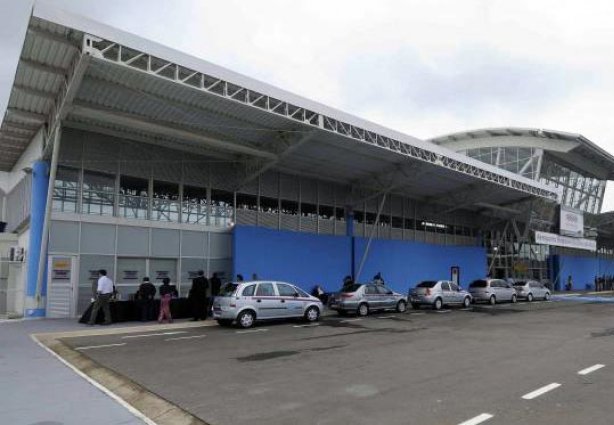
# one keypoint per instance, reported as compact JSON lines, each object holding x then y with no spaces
{"x":571,"y":149}
{"x":90,"y":76}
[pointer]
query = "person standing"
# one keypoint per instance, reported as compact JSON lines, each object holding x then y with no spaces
{"x":216,"y":284}
{"x":167,"y":292}
{"x":198,"y":296}
{"x":104,"y":292}
{"x":145,"y":299}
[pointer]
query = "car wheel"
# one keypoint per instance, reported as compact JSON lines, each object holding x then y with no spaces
{"x":514,"y":299}
{"x":415,"y":306}
{"x":224,"y":322}
{"x":363,"y":309}
{"x":467,"y":302}
{"x":438,"y":304}
{"x":312,"y":314}
{"x":492,"y":300}
{"x":530,"y":297}
{"x":401,"y":307}
{"x":547,"y":296}
{"x":246,"y":319}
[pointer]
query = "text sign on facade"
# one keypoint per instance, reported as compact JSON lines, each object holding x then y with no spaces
{"x":571,"y":222}
{"x":545,"y":238}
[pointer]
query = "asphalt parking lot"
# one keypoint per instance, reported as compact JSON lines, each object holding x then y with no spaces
{"x":506,"y":364}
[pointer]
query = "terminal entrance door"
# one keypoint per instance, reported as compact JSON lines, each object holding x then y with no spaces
{"x":61,"y":281}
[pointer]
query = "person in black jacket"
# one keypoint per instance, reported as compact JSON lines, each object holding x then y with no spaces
{"x":145,"y":299}
{"x":216,"y":284}
{"x":198,"y":297}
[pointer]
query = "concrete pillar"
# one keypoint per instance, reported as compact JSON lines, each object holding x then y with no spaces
{"x":40,"y":183}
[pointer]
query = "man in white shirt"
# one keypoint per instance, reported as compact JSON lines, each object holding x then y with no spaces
{"x":104,"y":292}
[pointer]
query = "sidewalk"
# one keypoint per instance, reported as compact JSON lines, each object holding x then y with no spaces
{"x":36,"y":388}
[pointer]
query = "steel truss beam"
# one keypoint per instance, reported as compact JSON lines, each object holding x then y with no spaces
{"x":115,"y":53}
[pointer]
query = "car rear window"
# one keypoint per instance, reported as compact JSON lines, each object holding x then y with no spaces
{"x":228,"y":289}
{"x":352,"y":288}
{"x":427,"y":284}
{"x":478,"y":284}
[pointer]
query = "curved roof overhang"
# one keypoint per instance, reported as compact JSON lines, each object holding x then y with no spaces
{"x":85,"y":75}
{"x":571,"y":149}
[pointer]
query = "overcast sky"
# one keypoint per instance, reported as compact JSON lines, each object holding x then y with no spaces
{"x":426,"y":67}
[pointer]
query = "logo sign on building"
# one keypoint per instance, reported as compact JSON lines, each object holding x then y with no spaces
{"x":571,"y":222}
{"x":545,"y":238}
{"x":60,"y":268}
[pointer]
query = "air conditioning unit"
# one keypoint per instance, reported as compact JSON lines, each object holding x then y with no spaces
{"x":16,"y":253}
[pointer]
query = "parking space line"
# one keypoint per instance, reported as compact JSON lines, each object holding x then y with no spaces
{"x":590,"y":369}
{"x":349,"y":320}
{"x":311,"y":325}
{"x":251,"y":331}
{"x":156,"y":334}
{"x":541,"y":391}
{"x":443,"y":311}
{"x":90,"y":347}
{"x":185,"y":337}
{"x":385,"y":317}
{"x":478,"y":419}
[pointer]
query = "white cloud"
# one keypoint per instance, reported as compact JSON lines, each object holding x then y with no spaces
{"x":423,"y":67}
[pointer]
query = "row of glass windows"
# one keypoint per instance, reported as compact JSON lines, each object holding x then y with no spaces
{"x":134,"y":199}
{"x":517,"y":160}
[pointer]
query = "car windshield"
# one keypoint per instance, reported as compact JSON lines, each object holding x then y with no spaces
{"x":352,"y":288}
{"x":478,"y":284}
{"x":228,"y":289}
{"x":426,"y":284}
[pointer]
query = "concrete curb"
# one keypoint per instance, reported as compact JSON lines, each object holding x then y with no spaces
{"x":144,"y":404}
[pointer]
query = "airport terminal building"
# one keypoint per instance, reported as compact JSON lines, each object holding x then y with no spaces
{"x":122,"y":154}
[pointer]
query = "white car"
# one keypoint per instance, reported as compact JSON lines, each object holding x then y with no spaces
{"x":531,"y":290}
{"x":247,"y":302}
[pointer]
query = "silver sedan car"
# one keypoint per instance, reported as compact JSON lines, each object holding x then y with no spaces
{"x":438,"y":293}
{"x":492,"y":291}
{"x":363,"y":298}
{"x":247,"y":302}
{"x":531,"y":289}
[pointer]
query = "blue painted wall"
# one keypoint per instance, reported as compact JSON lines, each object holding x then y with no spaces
{"x":302,"y":258}
{"x":581,"y":269}
{"x":403,"y":264}
{"x":309,"y":259}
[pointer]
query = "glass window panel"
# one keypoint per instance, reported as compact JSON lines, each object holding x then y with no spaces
{"x":165,"y":203}
{"x":98,"y":193}
{"x":65,"y":190}
{"x":133,"y":197}
{"x":194,"y":208}
{"x":222,"y":204}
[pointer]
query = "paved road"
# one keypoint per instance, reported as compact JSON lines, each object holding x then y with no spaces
{"x":422,"y":367}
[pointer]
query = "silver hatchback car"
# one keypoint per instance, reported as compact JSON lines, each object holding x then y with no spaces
{"x":247,"y":302}
{"x":438,"y":293}
{"x":492,"y":291}
{"x":531,"y":289}
{"x":363,"y":298}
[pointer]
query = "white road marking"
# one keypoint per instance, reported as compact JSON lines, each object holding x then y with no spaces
{"x":386,"y":317}
{"x":89,"y":347}
{"x":312,"y":325}
{"x":102,"y":388}
{"x":349,"y":320}
{"x":185,"y":337}
{"x":590,"y":369}
{"x":478,"y":419}
{"x":417,"y":314}
{"x":443,"y":311}
{"x":251,"y":331}
{"x":157,"y":334}
{"x":540,"y":391}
